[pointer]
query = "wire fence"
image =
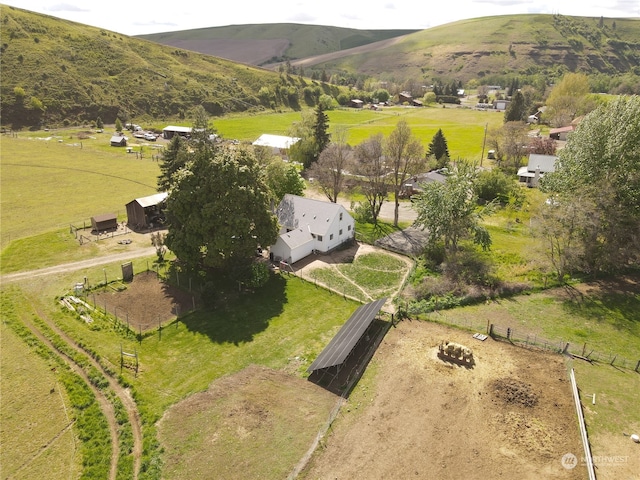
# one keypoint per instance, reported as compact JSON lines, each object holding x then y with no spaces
{"x":581,"y":350}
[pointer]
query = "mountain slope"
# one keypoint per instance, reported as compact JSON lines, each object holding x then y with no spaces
{"x":55,"y":70}
{"x":510,"y":44}
{"x":259,"y":44}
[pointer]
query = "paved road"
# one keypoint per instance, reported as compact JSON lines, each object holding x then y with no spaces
{"x":74,"y":266}
{"x":406,"y":213}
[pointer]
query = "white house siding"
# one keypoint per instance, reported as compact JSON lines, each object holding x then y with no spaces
{"x":323,"y":225}
{"x":293,"y":246}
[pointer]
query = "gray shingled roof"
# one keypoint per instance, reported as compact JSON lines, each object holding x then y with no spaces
{"x":298,"y":212}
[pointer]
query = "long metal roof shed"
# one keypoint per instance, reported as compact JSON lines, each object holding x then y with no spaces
{"x":340,"y":346}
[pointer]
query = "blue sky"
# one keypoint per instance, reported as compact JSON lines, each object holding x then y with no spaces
{"x":137,"y":18}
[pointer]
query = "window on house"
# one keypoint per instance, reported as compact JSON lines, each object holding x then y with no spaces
{"x":319,"y":238}
{"x":340,"y":233}
{"x":340,"y":216}
{"x":349,"y":228}
{"x":331,"y":237}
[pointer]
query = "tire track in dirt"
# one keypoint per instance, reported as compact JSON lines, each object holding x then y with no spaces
{"x":122,"y":393}
{"x":105,"y":405}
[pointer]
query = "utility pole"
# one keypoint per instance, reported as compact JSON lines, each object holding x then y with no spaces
{"x":484,"y":141}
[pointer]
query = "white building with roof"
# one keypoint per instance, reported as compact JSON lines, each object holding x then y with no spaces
{"x":279,"y":144}
{"x":309,"y":226}
{"x":537,"y":166}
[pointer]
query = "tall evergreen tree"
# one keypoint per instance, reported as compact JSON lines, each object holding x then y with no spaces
{"x":321,"y":131}
{"x":174,"y":157}
{"x":438,"y":148}
{"x":516,"y":110}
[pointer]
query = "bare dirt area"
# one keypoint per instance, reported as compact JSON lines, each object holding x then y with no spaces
{"x":508,"y":415}
{"x":146,"y":301}
{"x":267,"y":419}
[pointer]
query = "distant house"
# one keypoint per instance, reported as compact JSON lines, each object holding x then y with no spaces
{"x":356,"y":103}
{"x":309,"y":226}
{"x":279,"y":144}
{"x":405,"y":97}
{"x":118,"y":141}
{"x":537,"y":166}
{"x":561,"y":133}
{"x":104,"y":222}
{"x":501,"y":105}
{"x":171,"y":130}
{"x":146,"y":212}
{"x":416,"y":183}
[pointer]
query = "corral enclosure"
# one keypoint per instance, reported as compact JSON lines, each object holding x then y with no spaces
{"x":415,"y":415}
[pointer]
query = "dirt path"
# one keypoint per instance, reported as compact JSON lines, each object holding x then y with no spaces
{"x":105,"y":405}
{"x":74,"y":266}
{"x":406,"y":213}
{"x":122,"y":393}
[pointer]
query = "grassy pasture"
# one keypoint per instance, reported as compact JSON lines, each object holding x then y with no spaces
{"x":48,"y":185}
{"x":463,"y":128}
{"x":35,"y":414}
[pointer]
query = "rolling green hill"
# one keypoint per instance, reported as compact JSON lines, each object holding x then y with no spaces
{"x":269,"y":43}
{"x":56,"y":71}
{"x":499,"y":45}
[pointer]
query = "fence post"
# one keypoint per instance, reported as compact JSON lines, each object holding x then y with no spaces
{"x":637,"y":366}
{"x":614,"y":359}
{"x":566,"y":347}
{"x":491,"y":330}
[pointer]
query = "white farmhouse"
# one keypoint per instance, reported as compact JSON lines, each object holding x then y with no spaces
{"x":537,"y":166}
{"x":309,"y":226}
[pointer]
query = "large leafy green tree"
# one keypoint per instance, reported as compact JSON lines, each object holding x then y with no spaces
{"x":567,"y":99}
{"x":313,"y":132}
{"x":448,"y":211}
{"x":601,"y":163}
{"x":218,"y":211}
{"x":404,"y":154}
{"x":282,"y":178}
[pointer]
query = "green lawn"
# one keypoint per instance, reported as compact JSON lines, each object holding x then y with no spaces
{"x":36,"y":442}
{"x":289,"y":318}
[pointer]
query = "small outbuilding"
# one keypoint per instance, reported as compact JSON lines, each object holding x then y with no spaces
{"x":561,"y":133}
{"x":169,"y":131}
{"x":146,"y":212}
{"x":356,"y":103}
{"x":118,"y":141}
{"x":279,"y":144}
{"x":104,"y":222}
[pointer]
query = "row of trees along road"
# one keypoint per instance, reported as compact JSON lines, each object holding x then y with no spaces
{"x":379,"y":165}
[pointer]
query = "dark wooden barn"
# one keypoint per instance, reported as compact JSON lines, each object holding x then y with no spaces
{"x":104,"y":223}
